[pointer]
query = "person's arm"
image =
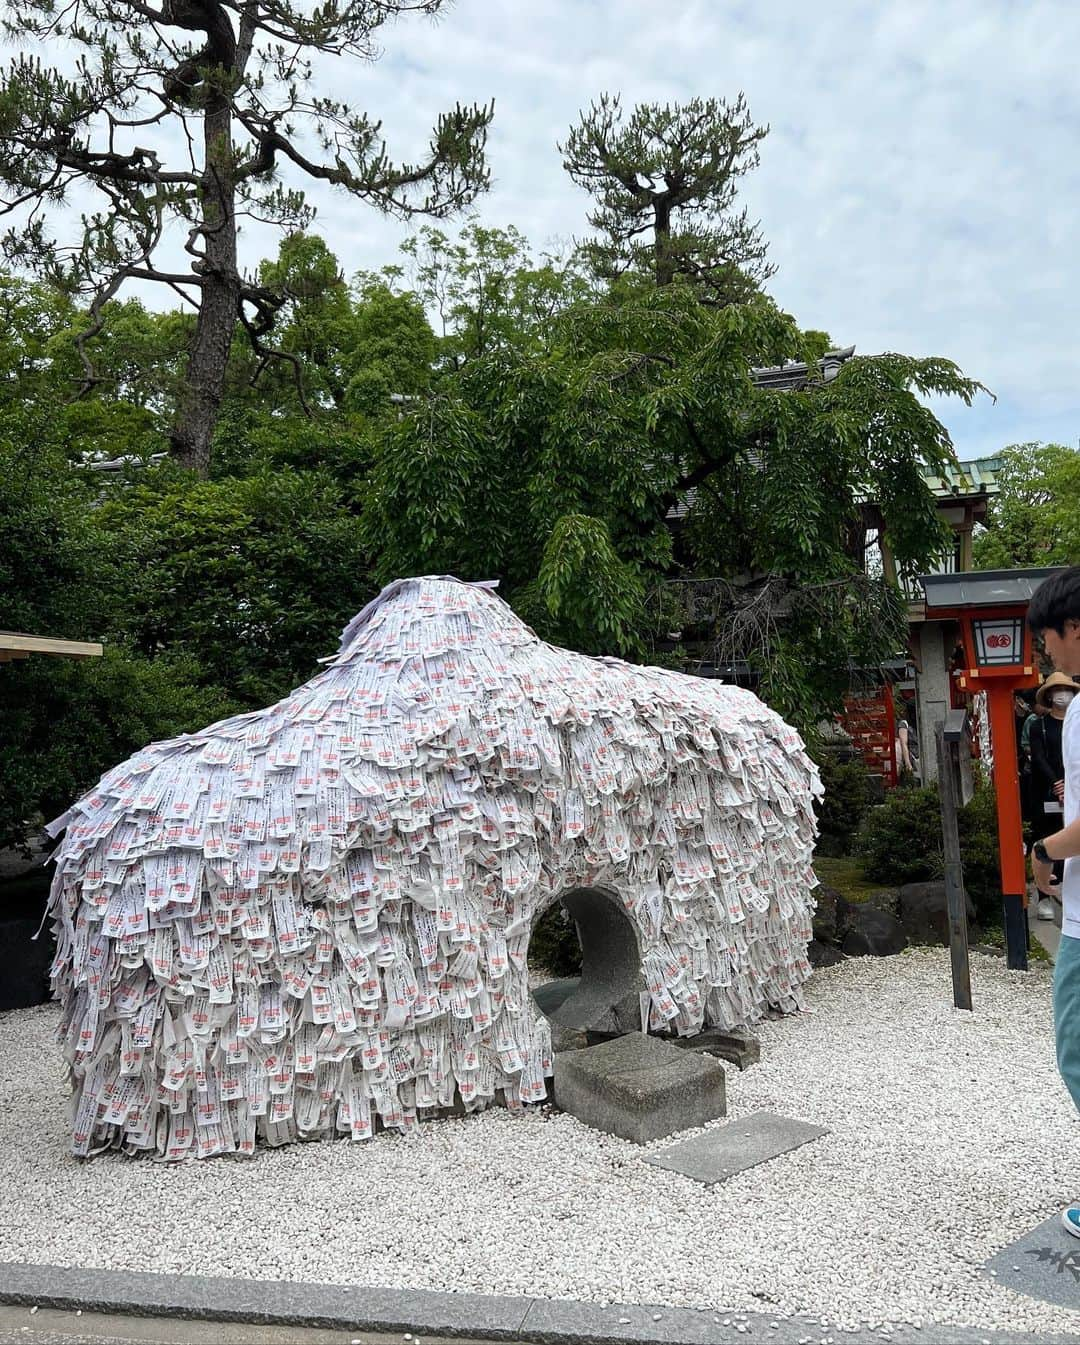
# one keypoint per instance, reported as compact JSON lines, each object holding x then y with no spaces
{"x":1063,"y":844}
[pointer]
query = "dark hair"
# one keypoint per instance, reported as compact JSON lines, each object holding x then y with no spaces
{"x":1055,"y":601}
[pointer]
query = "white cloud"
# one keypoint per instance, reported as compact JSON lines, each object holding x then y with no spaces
{"x":920,"y":185}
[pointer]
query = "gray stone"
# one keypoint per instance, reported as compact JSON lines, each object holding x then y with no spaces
{"x":823,"y":954}
{"x":885,"y":899}
{"x":607,"y":995}
{"x":874,"y":934}
{"x":726,"y":1150}
{"x":552,"y":994}
{"x":829,"y":914}
{"x":737,"y":1048}
{"x":567,"y":1038}
{"x":562,"y":1322}
{"x":1043,"y":1264}
{"x":639,"y":1088}
{"x":924,"y":912}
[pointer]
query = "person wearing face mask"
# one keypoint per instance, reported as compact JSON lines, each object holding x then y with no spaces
{"x":1024,"y":715}
{"x":1054,"y":617}
{"x":1048,"y":770}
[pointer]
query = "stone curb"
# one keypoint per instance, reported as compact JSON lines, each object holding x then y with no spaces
{"x":427,"y":1313}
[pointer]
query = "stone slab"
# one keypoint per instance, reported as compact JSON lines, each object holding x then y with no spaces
{"x":639,"y":1088}
{"x":269,"y":1302}
{"x":476,"y":1317}
{"x":726,"y":1150}
{"x":737,"y":1048}
{"x":1044,"y":1264}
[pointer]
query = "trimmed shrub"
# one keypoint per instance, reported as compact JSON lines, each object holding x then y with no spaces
{"x":979,"y":851}
{"x":900,"y":842}
{"x":843,"y":806}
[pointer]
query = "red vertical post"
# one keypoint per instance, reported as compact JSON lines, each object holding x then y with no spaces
{"x":999,"y":697}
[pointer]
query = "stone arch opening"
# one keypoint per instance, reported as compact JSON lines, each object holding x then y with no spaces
{"x":605,"y":999}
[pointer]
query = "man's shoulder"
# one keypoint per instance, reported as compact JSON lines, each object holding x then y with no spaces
{"x":1070,"y":729}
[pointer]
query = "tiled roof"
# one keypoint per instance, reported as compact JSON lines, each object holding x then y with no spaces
{"x":793,"y":375}
{"x":977,"y":477}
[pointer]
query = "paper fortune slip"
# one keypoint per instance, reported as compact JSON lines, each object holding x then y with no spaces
{"x":314,"y":919}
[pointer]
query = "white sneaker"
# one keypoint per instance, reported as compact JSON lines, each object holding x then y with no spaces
{"x":1071,"y":1219}
{"x":1046,"y":909}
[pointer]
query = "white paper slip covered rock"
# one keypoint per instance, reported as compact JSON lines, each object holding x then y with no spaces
{"x":314,"y":919}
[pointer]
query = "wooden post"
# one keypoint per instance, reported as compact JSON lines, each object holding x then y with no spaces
{"x":954,"y":870}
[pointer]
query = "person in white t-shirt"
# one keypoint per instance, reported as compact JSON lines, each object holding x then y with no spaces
{"x":1054,"y":617}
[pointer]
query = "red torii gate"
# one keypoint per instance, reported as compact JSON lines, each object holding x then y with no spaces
{"x":991,"y":607}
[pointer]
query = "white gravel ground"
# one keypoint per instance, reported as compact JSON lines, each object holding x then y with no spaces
{"x":951,"y":1135}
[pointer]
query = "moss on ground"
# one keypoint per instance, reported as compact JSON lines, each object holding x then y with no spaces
{"x":994,"y":936}
{"x":846,"y":875}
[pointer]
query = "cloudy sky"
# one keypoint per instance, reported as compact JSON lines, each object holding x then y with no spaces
{"x":920,"y":185}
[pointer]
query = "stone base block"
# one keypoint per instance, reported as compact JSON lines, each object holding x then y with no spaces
{"x":639,"y":1088}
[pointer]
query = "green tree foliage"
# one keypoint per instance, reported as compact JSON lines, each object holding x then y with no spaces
{"x":251,"y":577}
{"x":665,"y":182}
{"x":354,"y":350}
{"x":488,"y":292}
{"x":64,"y":722}
{"x":841,"y":809}
{"x":184,"y":114}
{"x":349,"y":346}
{"x":50,"y":564}
{"x":1035,"y":519}
{"x":557,"y":469}
{"x":607,"y":454}
{"x":138,"y":354}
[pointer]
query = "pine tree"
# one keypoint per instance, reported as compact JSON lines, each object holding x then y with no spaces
{"x":665,"y":184}
{"x":186,"y":110}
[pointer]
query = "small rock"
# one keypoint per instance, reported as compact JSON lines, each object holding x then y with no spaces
{"x":874,"y":933}
{"x":823,"y":954}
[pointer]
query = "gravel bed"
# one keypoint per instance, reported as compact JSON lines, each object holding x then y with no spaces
{"x":951,"y":1136}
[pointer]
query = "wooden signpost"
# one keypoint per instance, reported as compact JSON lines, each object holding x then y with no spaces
{"x":952,"y":740}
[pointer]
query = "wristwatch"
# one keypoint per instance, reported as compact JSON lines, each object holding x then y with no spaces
{"x":1039,"y":851}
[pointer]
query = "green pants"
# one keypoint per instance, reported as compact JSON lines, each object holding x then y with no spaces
{"x":1067,"y":1014}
